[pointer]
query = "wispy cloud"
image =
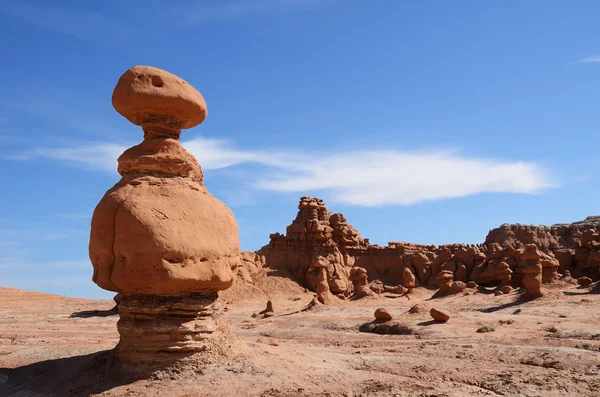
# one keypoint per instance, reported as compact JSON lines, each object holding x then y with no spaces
{"x":231,"y":10}
{"x":589,"y":59}
{"x":94,"y":155}
{"x":79,"y":23}
{"x":367,"y":177}
{"x":87,"y":21}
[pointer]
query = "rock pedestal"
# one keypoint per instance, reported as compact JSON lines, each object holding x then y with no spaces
{"x":165,"y":328}
{"x":158,"y":236}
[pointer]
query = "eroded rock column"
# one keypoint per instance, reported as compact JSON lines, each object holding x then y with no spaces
{"x":158,"y":236}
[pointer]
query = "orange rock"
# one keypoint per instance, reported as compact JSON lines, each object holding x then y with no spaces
{"x":158,"y":237}
{"x":382,"y":314}
{"x":148,"y":95}
{"x":171,"y":230}
{"x":439,"y":315}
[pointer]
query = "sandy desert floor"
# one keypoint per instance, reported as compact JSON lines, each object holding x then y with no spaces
{"x":547,"y":347}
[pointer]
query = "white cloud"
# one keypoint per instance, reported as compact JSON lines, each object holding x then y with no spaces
{"x":590,"y":59}
{"x":360,"y":177}
{"x":92,"y":155}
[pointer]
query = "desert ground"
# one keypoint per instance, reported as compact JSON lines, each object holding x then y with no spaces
{"x":56,"y":346}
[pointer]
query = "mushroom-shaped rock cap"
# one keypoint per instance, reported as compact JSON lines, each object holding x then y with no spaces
{"x":148,"y":95}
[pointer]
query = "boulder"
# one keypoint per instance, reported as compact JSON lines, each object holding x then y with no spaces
{"x":382,"y":314}
{"x":439,"y":315}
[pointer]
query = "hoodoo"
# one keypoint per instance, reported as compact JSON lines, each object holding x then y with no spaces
{"x":158,"y":236}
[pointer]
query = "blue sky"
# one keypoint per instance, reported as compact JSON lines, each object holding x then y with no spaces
{"x":422,"y":121}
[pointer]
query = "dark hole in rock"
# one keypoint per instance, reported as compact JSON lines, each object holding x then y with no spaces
{"x":157,"y":81}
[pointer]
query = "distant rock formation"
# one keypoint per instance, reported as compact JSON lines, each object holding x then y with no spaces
{"x":351,"y":260}
{"x":158,"y":237}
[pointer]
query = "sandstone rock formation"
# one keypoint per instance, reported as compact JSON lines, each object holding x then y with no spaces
{"x":357,"y":267}
{"x":381,"y":314}
{"x":532,"y":270}
{"x":158,"y":237}
{"x":359,"y":279}
{"x":439,"y":315}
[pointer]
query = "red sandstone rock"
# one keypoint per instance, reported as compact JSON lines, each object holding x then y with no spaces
{"x":584,"y":281}
{"x":324,"y":295}
{"x":382,"y":314}
{"x":439,"y":315}
{"x":359,"y":278}
{"x":408,"y":278}
{"x":147,"y":95}
{"x":317,"y":233}
{"x":158,"y":236}
{"x":532,"y":269}
{"x":397,"y":289}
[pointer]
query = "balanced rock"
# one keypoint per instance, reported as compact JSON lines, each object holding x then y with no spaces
{"x":439,"y":315}
{"x":382,"y":314}
{"x":158,"y":237}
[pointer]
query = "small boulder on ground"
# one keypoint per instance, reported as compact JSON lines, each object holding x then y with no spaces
{"x":584,"y":281}
{"x":439,"y":315}
{"x":382,"y":314}
{"x":471,"y":284}
{"x":498,"y":292}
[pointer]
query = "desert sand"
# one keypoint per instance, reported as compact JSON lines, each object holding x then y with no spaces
{"x":56,"y":346}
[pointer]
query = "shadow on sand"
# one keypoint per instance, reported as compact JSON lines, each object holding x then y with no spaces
{"x":95,"y":313}
{"x":430,"y":322}
{"x":72,"y":376}
{"x":586,"y":290}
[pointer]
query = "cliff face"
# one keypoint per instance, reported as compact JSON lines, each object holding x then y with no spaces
{"x":575,"y":246}
{"x":318,"y":237}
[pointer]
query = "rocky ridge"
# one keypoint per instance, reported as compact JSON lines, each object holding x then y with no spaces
{"x":319,"y":244}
